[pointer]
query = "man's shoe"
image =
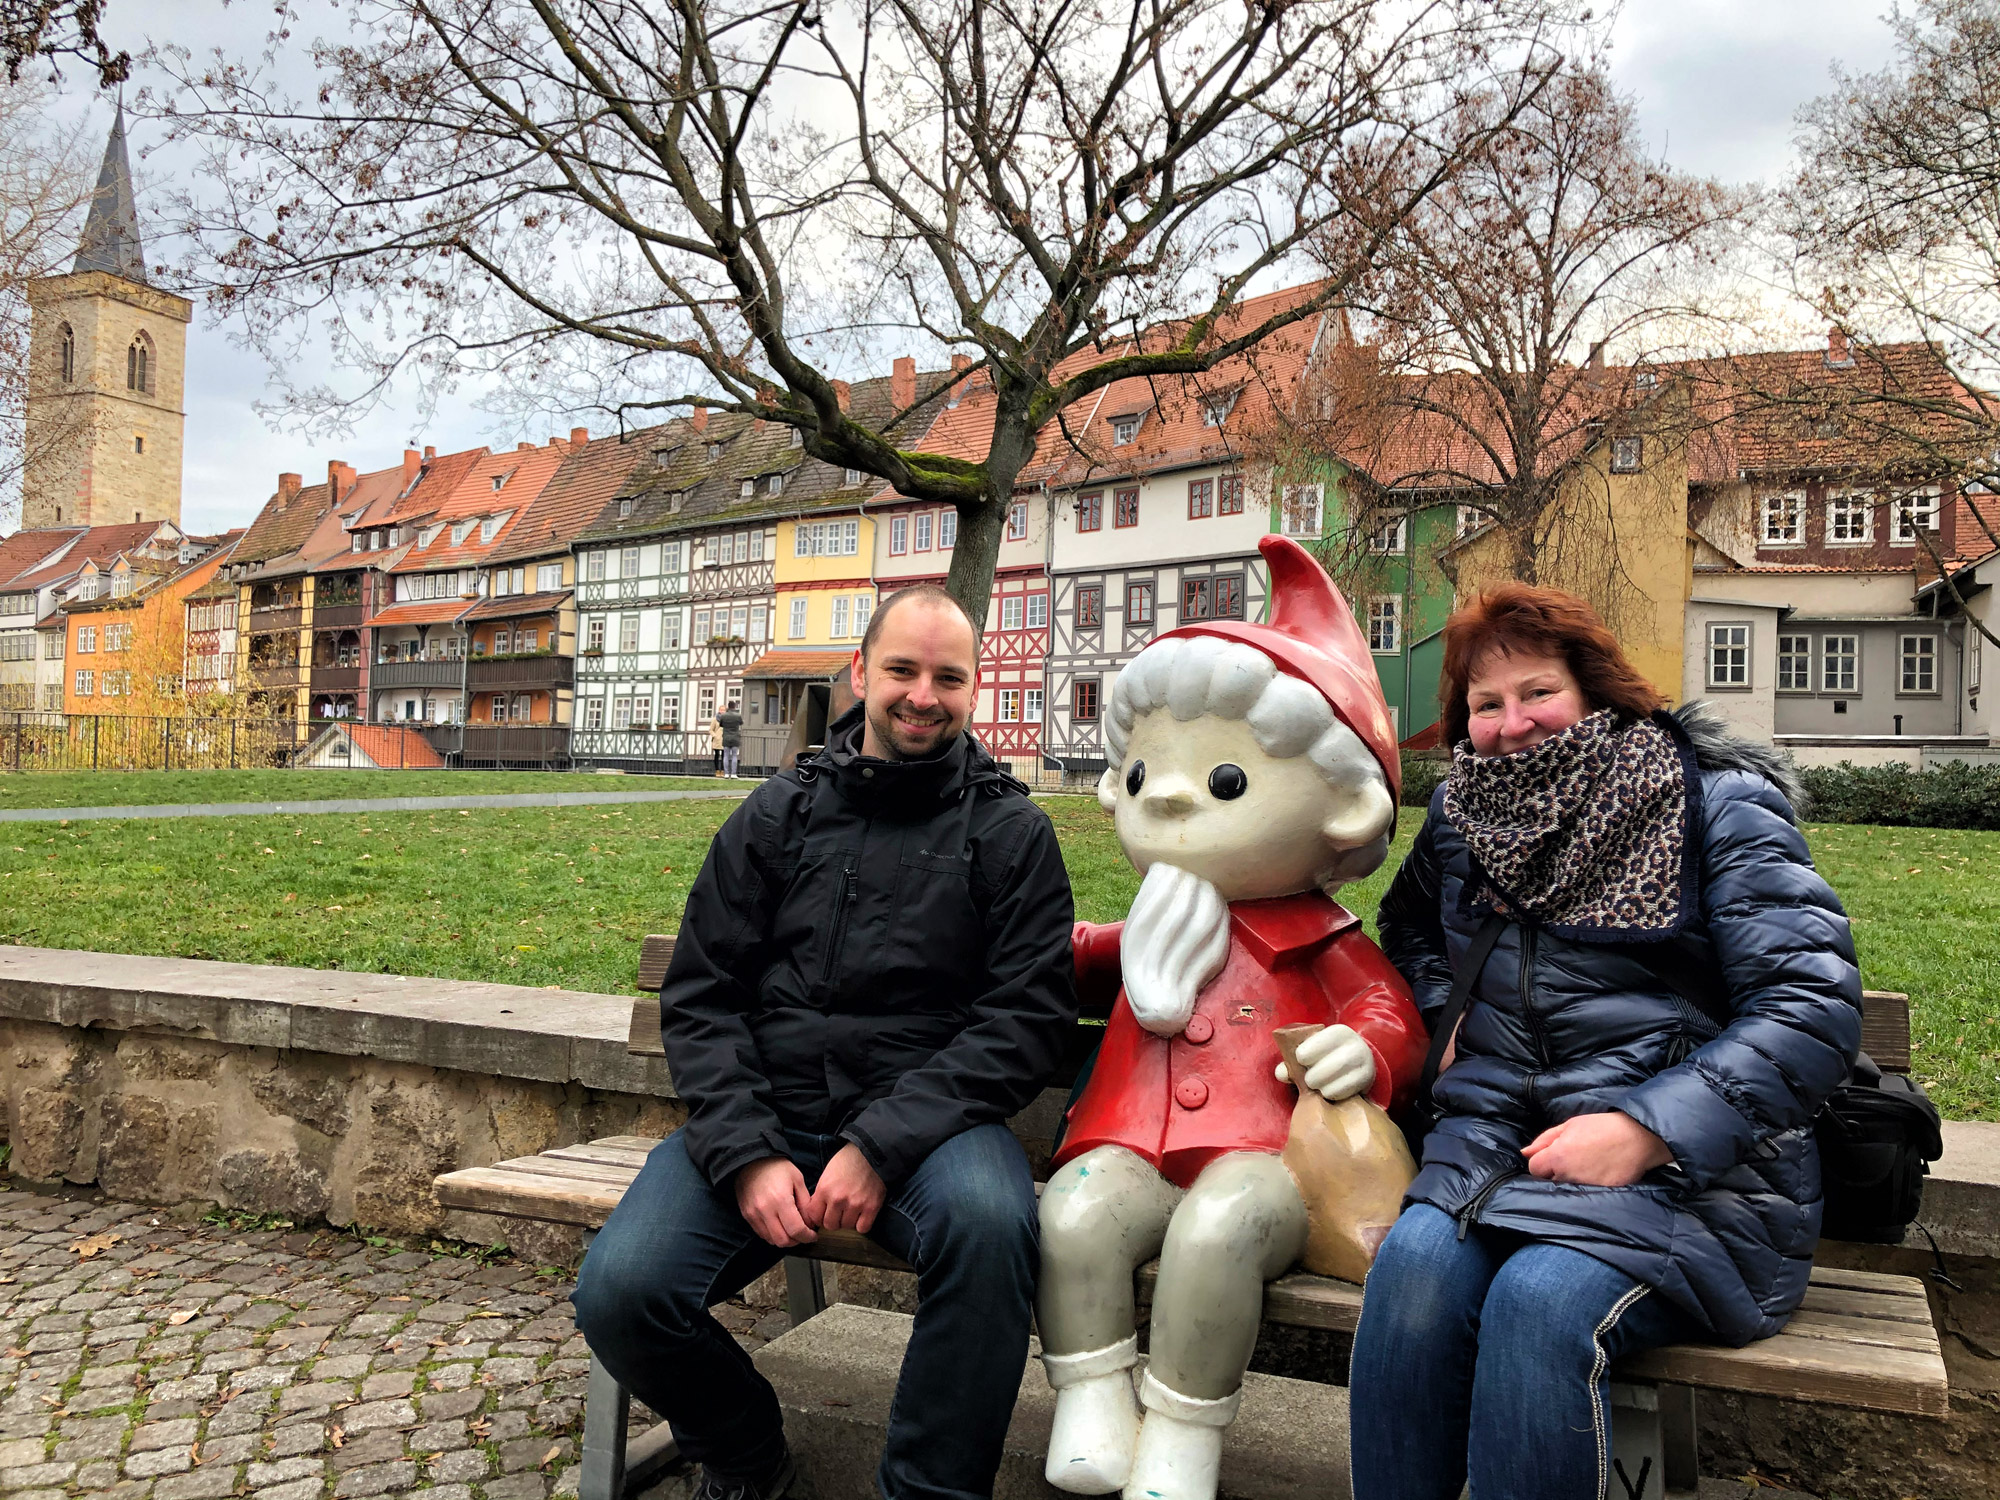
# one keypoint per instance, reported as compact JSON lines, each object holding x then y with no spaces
{"x":719,"y":1486}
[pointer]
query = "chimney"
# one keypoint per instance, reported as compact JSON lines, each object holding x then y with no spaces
{"x":413,"y":463}
{"x":430,"y":453}
{"x":903,"y":383}
{"x":960,"y":363}
{"x":339,"y":479}
{"x":1596,"y":360}
{"x":843,"y":393}
{"x":578,"y":436}
{"x":288,"y":488}
{"x":1837,"y":350}
{"x":698,"y":419}
{"x":524,"y":447}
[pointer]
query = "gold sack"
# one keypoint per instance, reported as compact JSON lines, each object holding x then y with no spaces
{"x":1352,"y":1166}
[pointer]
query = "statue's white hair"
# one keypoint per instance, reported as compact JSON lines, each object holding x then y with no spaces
{"x":1194,"y":675}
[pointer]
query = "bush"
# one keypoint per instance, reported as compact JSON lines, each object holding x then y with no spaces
{"x":1422,"y":772}
{"x":1953,"y":795}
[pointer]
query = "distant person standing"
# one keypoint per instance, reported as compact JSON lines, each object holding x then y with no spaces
{"x":730,"y":722}
{"x":715,"y":744}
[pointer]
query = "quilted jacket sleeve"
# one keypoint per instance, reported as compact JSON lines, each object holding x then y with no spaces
{"x":1412,"y":923}
{"x":1786,"y":958}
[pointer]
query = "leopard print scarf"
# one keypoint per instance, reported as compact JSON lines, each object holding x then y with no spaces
{"x":1588,"y":833}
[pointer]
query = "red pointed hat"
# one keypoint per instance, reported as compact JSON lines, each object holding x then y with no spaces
{"x":1312,"y":636}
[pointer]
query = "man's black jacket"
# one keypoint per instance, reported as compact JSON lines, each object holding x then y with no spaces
{"x":874,"y":950}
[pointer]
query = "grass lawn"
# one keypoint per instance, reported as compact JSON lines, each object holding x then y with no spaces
{"x":151,"y":788}
{"x":561,"y":896}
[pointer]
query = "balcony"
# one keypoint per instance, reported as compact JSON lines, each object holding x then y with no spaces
{"x":266,"y":619}
{"x":542,"y":670}
{"x":501,"y":745}
{"x":401,"y":674}
{"x":281,"y":676}
{"x":336,"y":679}
{"x":336,"y":616}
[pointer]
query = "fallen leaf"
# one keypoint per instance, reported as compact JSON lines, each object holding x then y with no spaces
{"x":550,"y":1457}
{"x":185,"y":1315}
{"x":95,"y":1244}
{"x":194,"y":1454}
{"x":338,"y":1437}
{"x":395,"y":1299}
{"x":17,"y":1353}
{"x":483,"y":1315}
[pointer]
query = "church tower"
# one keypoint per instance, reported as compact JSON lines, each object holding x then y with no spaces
{"x":106,"y":359}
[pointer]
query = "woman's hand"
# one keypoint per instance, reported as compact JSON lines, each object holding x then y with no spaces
{"x":1605,"y":1150}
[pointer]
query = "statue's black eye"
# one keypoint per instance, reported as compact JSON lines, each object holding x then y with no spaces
{"x":1228,"y":782}
{"x":1136,"y":777}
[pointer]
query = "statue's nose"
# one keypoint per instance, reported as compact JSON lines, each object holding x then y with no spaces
{"x":1170,"y":802}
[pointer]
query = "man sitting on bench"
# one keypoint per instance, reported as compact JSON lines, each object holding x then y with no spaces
{"x":872,"y":974}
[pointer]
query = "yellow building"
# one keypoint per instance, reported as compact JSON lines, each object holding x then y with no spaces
{"x":824,"y":581}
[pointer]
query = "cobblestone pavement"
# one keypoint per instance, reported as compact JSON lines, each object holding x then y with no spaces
{"x":146,"y":1357}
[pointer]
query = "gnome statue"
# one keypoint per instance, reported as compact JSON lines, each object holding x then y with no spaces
{"x":1252,"y":770}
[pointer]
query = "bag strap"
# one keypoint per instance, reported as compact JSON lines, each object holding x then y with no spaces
{"x":1461,"y":991}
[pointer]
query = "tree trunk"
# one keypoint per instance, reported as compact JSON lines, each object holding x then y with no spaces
{"x":982,"y":527}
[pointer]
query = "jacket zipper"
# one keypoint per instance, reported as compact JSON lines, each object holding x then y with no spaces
{"x":1533,"y":1016}
{"x":1468,"y":1214}
{"x":841,"y":899}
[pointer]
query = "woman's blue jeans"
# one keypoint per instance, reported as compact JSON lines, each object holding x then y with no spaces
{"x":675,"y":1246}
{"x":1489,"y":1356}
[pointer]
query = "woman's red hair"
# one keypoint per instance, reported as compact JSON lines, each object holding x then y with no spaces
{"x":1526,"y":621}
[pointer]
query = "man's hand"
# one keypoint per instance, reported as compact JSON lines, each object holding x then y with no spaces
{"x":849,"y":1196}
{"x":1338,"y":1063}
{"x":1605,"y":1150}
{"x":771,"y":1195}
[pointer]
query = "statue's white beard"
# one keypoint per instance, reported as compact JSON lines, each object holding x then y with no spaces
{"x":1176,"y":939}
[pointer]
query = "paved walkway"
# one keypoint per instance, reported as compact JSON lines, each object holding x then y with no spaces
{"x":147,"y":1359}
{"x":356,"y":805}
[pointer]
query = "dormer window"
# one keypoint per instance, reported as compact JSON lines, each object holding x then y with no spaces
{"x":775,"y":485}
{"x":490,"y":527}
{"x":749,"y":489}
{"x":664,"y":457}
{"x":460,"y":531}
{"x":429,"y":534}
{"x":1124,"y":430}
{"x":1215,"y":409}
{"x":853,"y":476}
{"x":498,"y":480}
{"x":1646,"y":380}
{"x":798,"y":438}
{"x":624,"y":509}
{"x":121,"y":585}
{"x":714,"y":452}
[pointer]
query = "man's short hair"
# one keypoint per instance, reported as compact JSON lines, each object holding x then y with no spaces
{"x":916,"y":593}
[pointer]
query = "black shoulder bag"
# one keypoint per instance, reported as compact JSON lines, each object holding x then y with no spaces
{"x":1424,"y":1112}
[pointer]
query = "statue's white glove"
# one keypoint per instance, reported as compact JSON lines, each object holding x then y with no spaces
{"x":1337,"y":1062}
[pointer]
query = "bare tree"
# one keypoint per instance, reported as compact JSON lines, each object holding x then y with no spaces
{"x":55,"y":29}
{"x":46,"y":178}
{"x":727,"y":204}
{"x":1484,"y":379}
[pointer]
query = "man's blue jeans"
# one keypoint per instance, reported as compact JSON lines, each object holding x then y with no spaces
{"x":676,"y":1246}
{"x":1490,"y":1355}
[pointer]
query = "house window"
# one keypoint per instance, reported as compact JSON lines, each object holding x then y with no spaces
{"x":1913,"y":513}
{"x":947,"y":530}
{"x":1090,"y":512}
{"x":705,"y":702}
{"x":1090,"y":606}
{"x":1197,"y":598}
{"x":593,"y":713}
{"x":1201,"y":499}
{"x":701,"y":628}
{"x":1010,"y":705}
{"x":670,"y":630}
{"x":864,"y":610}
{"x":138,"y":366}
{"x":747,"y":489}
{"x":86,"y":683}
{"x":1784,"y":519}
{"x":1010,"y":612}
{"x":1387,"y":538}
{"x":1229,"y":495}
{"x":1124,"y":430}
{"x":524,"y":708}
{"x":1229,"y":596}
{"x":899,"y":535}
{"x":138,"y":442}
{"x":1840,"y":658}
{"x":853,"y":476}
{"x":1083,"y":700}
{"x":593,"y":633}
{"x":528,"y":640}
{"x":1627,"y":454}
{"x":1919,"y":660}
{"x":86,"y":638}
{"x":628,"y":562}
{"x":739,"y":621}
{"x":1301,"y":510}
{"x":68,"y":354}
{"x":642,"y":711}
{"x":593,"y":567}
{"x":1125,"y":508}
{"x":621,"y":713}
{"x":1385,"y":624}
{"x":1470,"y":519}
{"x":797,"y":628}
{"x":1138,"y":604}
{"x":1850,"y":520}
{"x":548,"y":576}
{"x":1017,"y":523}
{"x":1031,"y":709}
{"x":1215,"y":409}
{"x":1728,"y":656}
{"x":1038,"y":611}
{"x":1794,"y":664}
{"x":500,"y":641}
{"x":628,"y":632}
{"x":776,"y":485}
{"x":760,"y":624}
{"x":924,"y":522}
{"x":670,"y":557}
{"x":670,"y":710}
{"x":838,"y":630}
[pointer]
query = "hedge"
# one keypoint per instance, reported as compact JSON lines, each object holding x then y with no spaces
{"x":1422,"y":771}
{"x":1953,"y":795}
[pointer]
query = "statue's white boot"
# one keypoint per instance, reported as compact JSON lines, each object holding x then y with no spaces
{"x":1097,"y":1418}
{"x":1179,"y":1456}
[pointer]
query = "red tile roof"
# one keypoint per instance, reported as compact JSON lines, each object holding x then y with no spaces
{"x":782,"y":663}
{"x":100,"y":544}
{"x":426,"y":612}
{"x":394,"y":747}
{"x":589,"y":478}
{"x":26,"y":549}
{"x":509,"y":606}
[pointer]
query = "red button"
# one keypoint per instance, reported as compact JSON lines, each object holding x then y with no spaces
{"x":1199,"y":1029}
{"x":1191,"y":1093}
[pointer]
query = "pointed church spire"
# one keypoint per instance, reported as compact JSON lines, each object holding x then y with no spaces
{"x":111,"y":233}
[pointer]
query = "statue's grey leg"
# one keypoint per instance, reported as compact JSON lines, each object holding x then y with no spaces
{"x":1241,"y":1224}
{"x":1103,"y":1216}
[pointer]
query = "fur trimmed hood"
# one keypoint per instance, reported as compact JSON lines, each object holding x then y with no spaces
{"x":1717,"y":747}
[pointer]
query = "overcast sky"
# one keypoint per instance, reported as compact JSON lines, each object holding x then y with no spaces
{"x":1717,"y":81}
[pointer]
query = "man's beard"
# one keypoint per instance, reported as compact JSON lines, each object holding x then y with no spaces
{"x":892,"y":737}
{"x":1176,"y":939}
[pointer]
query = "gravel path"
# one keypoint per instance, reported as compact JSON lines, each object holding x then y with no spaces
{"x":148,"y":1358}
{"x":356,"y":805}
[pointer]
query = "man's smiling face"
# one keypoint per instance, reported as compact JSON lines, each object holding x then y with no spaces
{"x":918,"y":681}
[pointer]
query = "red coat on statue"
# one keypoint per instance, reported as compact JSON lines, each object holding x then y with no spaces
{"x":1182,"y":1101}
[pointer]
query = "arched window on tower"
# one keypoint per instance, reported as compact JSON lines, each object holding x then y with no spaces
{"x":68,"y":354}
{"x":138,"y":365}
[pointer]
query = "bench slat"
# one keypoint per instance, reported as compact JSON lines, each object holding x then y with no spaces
{"x":1885,"y":1029}
{"x":1837,"y":1300}
{"x":619,"y":1156}
{"x":1808,"y":1369}
{"x":516,"y":1195}
{"x":655,"y":953}
{"x":1870,"y":1281}
{"x":642,"y":1039}
{"x":1818,"y":1325}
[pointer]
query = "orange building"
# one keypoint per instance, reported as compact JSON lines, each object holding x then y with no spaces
{"x":126,"y":630}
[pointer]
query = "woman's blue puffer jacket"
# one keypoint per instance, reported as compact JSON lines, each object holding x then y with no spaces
{"x":1557,"y":1027}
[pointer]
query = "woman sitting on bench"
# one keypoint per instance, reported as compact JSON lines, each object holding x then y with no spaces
{"x":1662,"y":993}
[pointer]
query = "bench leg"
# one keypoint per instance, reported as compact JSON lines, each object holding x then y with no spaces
{"x":805,"y":1289}
{"x":606,"y":1406}
{"x":1679,"y":1436}
{"x":1652,"y":1442}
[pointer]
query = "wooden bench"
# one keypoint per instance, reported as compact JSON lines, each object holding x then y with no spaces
{"x":1860,"y":1339}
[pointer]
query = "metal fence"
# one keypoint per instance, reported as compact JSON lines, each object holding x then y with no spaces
{"x":143,"y":742}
